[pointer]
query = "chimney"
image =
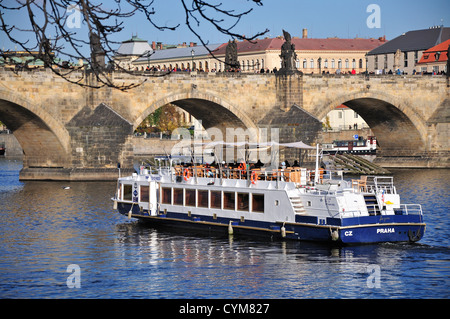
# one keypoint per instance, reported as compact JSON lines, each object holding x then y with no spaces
{"x":159,"y":45}
{"x":191,"y":44}
{"x":153,"y":45}
{"x":305,"y":33}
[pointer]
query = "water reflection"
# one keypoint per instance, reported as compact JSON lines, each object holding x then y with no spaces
{"x":280,"y":269}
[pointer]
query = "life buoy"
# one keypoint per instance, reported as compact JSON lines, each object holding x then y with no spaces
{"x":186,"y":174}
{"x":254,"y":177}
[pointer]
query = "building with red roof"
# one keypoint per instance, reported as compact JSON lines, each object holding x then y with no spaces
{"x":434,"y":60}
{"x":330,"y":55}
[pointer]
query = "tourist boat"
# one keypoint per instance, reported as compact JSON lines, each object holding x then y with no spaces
{"x":358,"y":146}
{"x":286,"y":203}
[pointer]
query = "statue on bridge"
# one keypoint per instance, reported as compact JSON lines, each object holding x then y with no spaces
{"x":288,"y":56}
{"x":231,"y":57}
{"x":97,"y":52}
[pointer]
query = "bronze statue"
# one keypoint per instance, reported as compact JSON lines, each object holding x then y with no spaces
{"x":288,"y":55}
{"x":231,"y":57}
{"x":97,"y":52}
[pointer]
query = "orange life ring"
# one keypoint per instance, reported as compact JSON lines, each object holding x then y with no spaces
{"x":186,"y":174}
{"x":254,"y":177}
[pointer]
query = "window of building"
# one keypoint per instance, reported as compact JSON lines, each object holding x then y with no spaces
{"x":189,"y":197}
{"x":216,"y":199}
{"x":354,"y":63}
{"x":360,"y":64}
{"x":305,"y":64}
{"x":243,"y":202}
{"x":166,"y":195}
{"x":297,"y":63}
{"x":346,"y":64}
{"x":376,"y":62}
{"x":339,"y":64}
{"x":325,"y":63}
{"x":258,"y":203}
{"x":144,"y":193}
{"x":178,"y":196}
{"x":311,"y":63}
{"x":127,"y":192}
{"x":333,"y":64}
{"x":228,"y":200}
{"x":202,"y":198}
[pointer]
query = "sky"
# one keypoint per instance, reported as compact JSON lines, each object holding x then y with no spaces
{"x":322,"y":18}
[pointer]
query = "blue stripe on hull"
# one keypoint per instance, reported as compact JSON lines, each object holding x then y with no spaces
{"x":363,"y":230}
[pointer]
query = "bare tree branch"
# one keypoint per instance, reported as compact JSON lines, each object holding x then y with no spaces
{"x":48,"y":37}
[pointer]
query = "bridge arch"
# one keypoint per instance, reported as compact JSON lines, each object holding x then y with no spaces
{"x":397,"y":126}
{"x":44,"y":141}
{"x":212,"y":110}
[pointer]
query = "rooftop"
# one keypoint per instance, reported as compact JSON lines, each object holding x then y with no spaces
{"x":414,"y":41}
{"x":330,"y":44}
{"x":177,"y":53}
{"x":134,"y":46}
{"x":437,"y":53}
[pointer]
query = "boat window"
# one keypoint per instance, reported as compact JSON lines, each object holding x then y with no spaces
{"x":189,"y":197}
{"x":127,"y":192}
{"x":243,"y":202}
{"x":216,"y":199}
{"x":178,"y":196}
{"x":166,"y":195}
{"x":258,"y":203}
{"x":202,"y":199}
{"x":144,"y":192}
{"x":228,"y":200}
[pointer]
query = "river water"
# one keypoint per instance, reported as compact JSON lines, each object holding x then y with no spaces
{"x":45,"y":228}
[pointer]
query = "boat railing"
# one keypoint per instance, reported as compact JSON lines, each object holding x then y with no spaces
{"x":374,"y":184}
{"x":411,"y":209}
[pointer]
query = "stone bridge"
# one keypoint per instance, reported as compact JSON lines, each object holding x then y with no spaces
{"x":70,"y":132}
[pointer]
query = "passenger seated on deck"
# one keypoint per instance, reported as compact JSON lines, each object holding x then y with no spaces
{"x":295,"y":164}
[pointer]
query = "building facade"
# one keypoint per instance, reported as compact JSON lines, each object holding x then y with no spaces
{"x":314,"y":56}
{"x":343,"y":118}
{"x":402,"y":53}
